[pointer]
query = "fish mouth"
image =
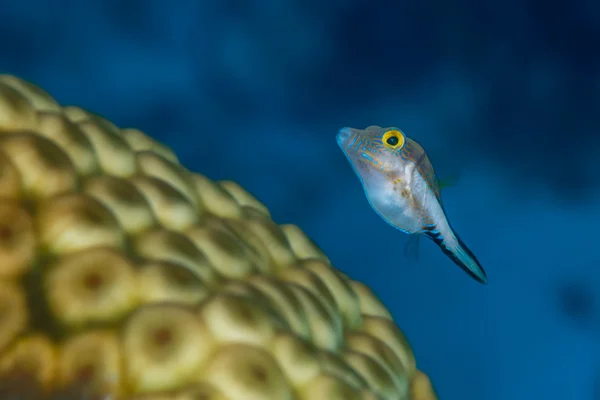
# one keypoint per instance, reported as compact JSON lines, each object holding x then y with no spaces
{"x":346,"y":138}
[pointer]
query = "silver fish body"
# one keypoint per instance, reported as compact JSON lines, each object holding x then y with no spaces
{"x":401,"y":186}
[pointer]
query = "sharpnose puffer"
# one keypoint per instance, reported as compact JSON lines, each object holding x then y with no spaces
{"x":401,"y":186}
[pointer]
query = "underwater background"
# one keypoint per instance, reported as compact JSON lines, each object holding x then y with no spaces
{"x":505,"y":95}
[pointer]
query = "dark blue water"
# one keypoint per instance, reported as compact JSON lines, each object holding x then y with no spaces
{"x":507,"y":94}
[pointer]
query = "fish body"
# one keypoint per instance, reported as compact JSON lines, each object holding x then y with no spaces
{"x":401,"y":186}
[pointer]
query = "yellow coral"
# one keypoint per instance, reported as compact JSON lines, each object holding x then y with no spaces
{"x":122,"y":273}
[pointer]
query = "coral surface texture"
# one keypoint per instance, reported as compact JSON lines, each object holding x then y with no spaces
{"x":123,"y":275}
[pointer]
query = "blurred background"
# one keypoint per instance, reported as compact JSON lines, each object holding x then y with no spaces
{"x":504,"y":94}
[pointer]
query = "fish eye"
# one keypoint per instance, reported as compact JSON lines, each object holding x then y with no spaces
{"x":393,"y":139}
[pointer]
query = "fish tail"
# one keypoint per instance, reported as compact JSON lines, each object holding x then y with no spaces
{"x":462,"y":256}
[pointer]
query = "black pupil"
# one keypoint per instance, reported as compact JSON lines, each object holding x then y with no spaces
{"x":392,"y":140}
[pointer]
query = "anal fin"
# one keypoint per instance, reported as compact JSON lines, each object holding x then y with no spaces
{"x":411,"y":248}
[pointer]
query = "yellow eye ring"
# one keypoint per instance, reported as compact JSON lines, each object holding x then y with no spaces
{"x":393,"y":139}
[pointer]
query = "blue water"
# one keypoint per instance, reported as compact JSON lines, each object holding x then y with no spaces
{"x":505,"y":94}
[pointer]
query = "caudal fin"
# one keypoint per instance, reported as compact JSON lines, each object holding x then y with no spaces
{"x":462,"y":256}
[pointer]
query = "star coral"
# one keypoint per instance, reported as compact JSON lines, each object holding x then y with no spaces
{"x":124,"y":274}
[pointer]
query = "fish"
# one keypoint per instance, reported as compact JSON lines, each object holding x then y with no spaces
{"x":403,"y":189}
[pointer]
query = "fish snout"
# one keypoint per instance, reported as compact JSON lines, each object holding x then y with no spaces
{"x":346,"y":137}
